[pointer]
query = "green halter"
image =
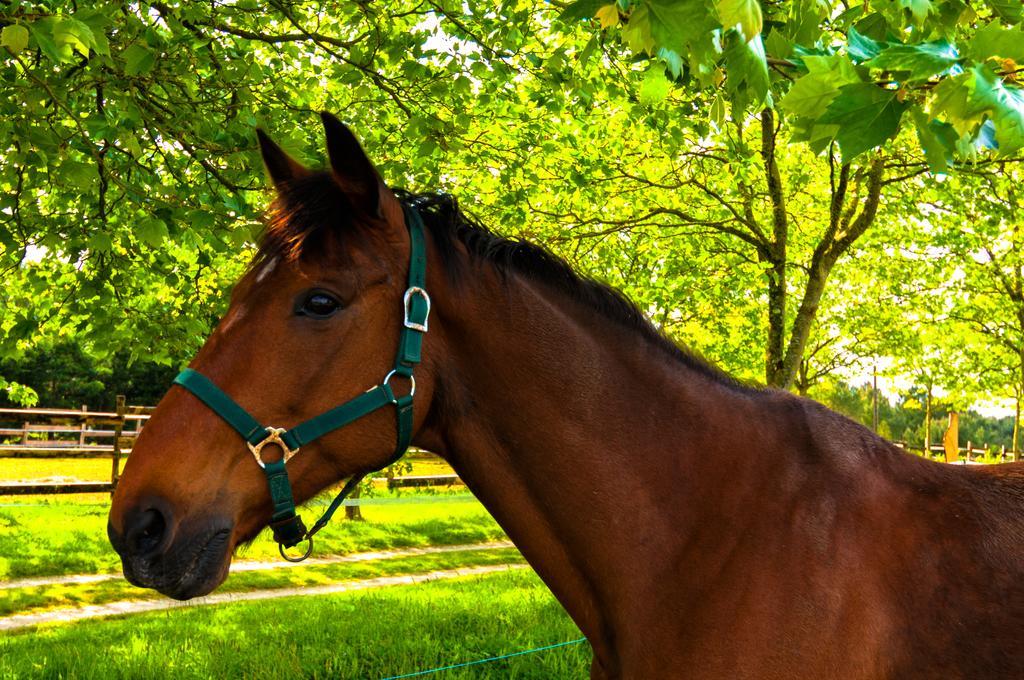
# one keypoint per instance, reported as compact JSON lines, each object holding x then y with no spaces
{"x":286,"y":524}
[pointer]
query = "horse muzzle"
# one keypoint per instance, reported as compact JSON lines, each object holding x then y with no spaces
{"x":178,"y":561}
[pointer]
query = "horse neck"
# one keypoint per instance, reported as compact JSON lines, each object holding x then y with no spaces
{"x":598,"y":452}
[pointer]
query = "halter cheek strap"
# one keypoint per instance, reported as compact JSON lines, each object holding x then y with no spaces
{"x":286,"y":524}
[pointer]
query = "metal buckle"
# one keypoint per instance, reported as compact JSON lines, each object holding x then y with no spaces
{"x":407,"y":304}
{"x":298,"y":558}
{"x":390,"y":375}
{"x":273,"y":437}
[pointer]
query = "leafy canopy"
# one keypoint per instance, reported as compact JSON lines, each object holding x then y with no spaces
{"x":850,"y":73}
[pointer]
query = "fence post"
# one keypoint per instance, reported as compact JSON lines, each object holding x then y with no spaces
{"x":950,"y":440}
{"x":115,"y":465}
{"x":82,"y":427}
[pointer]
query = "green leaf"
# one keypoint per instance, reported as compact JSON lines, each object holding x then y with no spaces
{"x":811,"y":94}
{"x":935,"y":150}
{"x":655,"y":85}
{"x":97,"y":20}
{"x":14,"y":38}
{"x":867,"y":116}
{"x":676,"y":24}
{"x":100,"y":242}
{"x":920,"y":61}
{"x":582,"y":9}
{"x":717,"y":113}
{"x":919,"y":9}
{"x":746,"y":14}
{"x":805,"y":21}
{"x":778,"y":45}
{"x":42,"y":31}
{"x":80,"y":175}
{"x":637,"y":32}
{"x":994,"y":41}
{"x":608,"y":16}
{"x":1012,"y":11}
{"x":673,"y":61}
{"x":1009,"y":123}
{"x":151,"y":231}
{"x":836,"y":65}
{"x":588,"y":50}
{"x":130,"y":143}
{"x":952,"y":99}
{"x":860,"y":47}
{"x":138,"y":60}
{"x":873,"y":26}
{"x":1005,"y":106}
{"x":747,"y":67}
{"x":75,"y":34}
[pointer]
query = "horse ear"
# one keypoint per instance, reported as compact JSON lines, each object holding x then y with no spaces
{"x":352,"y":168}
{"x":281,"y":167}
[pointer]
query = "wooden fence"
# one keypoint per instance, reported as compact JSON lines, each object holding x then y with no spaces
{"x":62,"y":433}
{"x":968,"y":453}
{"x":65,"y":433}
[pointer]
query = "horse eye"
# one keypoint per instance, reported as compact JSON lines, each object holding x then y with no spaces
{"x":319,"y":305}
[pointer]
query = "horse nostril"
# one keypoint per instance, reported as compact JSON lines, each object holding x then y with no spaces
{"x":146,"y":532}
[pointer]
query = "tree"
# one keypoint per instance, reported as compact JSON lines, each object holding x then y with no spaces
{"x":130,"y":189}
{"x":844,"y":80}
{"x":850,"y":73}
{"x":978,"y":221}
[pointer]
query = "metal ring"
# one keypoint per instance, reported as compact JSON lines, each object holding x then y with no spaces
{"x":274,"y":435}
{"x":412,"y":381}
{"x":309,"y":551}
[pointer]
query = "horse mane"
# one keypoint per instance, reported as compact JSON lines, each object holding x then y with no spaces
{"x":310,"y":208}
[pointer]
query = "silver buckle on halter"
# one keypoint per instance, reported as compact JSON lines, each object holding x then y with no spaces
{"x":273,"y":437}
{"x":407,"y":304}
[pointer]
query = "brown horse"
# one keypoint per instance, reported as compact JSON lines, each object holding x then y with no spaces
{"x":692,"y":527}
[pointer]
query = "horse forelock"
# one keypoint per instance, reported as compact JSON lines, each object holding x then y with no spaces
{"x":306,"y":213}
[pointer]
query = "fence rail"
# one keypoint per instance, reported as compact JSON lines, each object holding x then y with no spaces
{"x":420,"y":480}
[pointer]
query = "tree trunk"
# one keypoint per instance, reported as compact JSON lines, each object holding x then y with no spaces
{"x":776,"y":254}
{"x":775,"y":354}
{"x":803,"y":382}
{"x":928,"y":422}
{"x":874,"y":400}
{"x":354,"y":512}
{"x":1016,"y":420}
{"x":816,"y":279}
{"x":837,"y":240}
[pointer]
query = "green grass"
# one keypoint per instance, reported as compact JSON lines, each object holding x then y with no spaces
{"x":64,"y":536}
{"x":369,"y":634}
{"x":83,"y":469}
{"x":41,"y":598}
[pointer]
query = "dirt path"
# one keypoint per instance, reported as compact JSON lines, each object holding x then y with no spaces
{"x":136,"y":606}
{"x":261,"y":566}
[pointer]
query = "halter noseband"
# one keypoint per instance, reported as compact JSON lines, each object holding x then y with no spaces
{"x":286,"y":524}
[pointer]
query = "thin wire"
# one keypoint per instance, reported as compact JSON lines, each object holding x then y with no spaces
{"x":487,"y":660}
